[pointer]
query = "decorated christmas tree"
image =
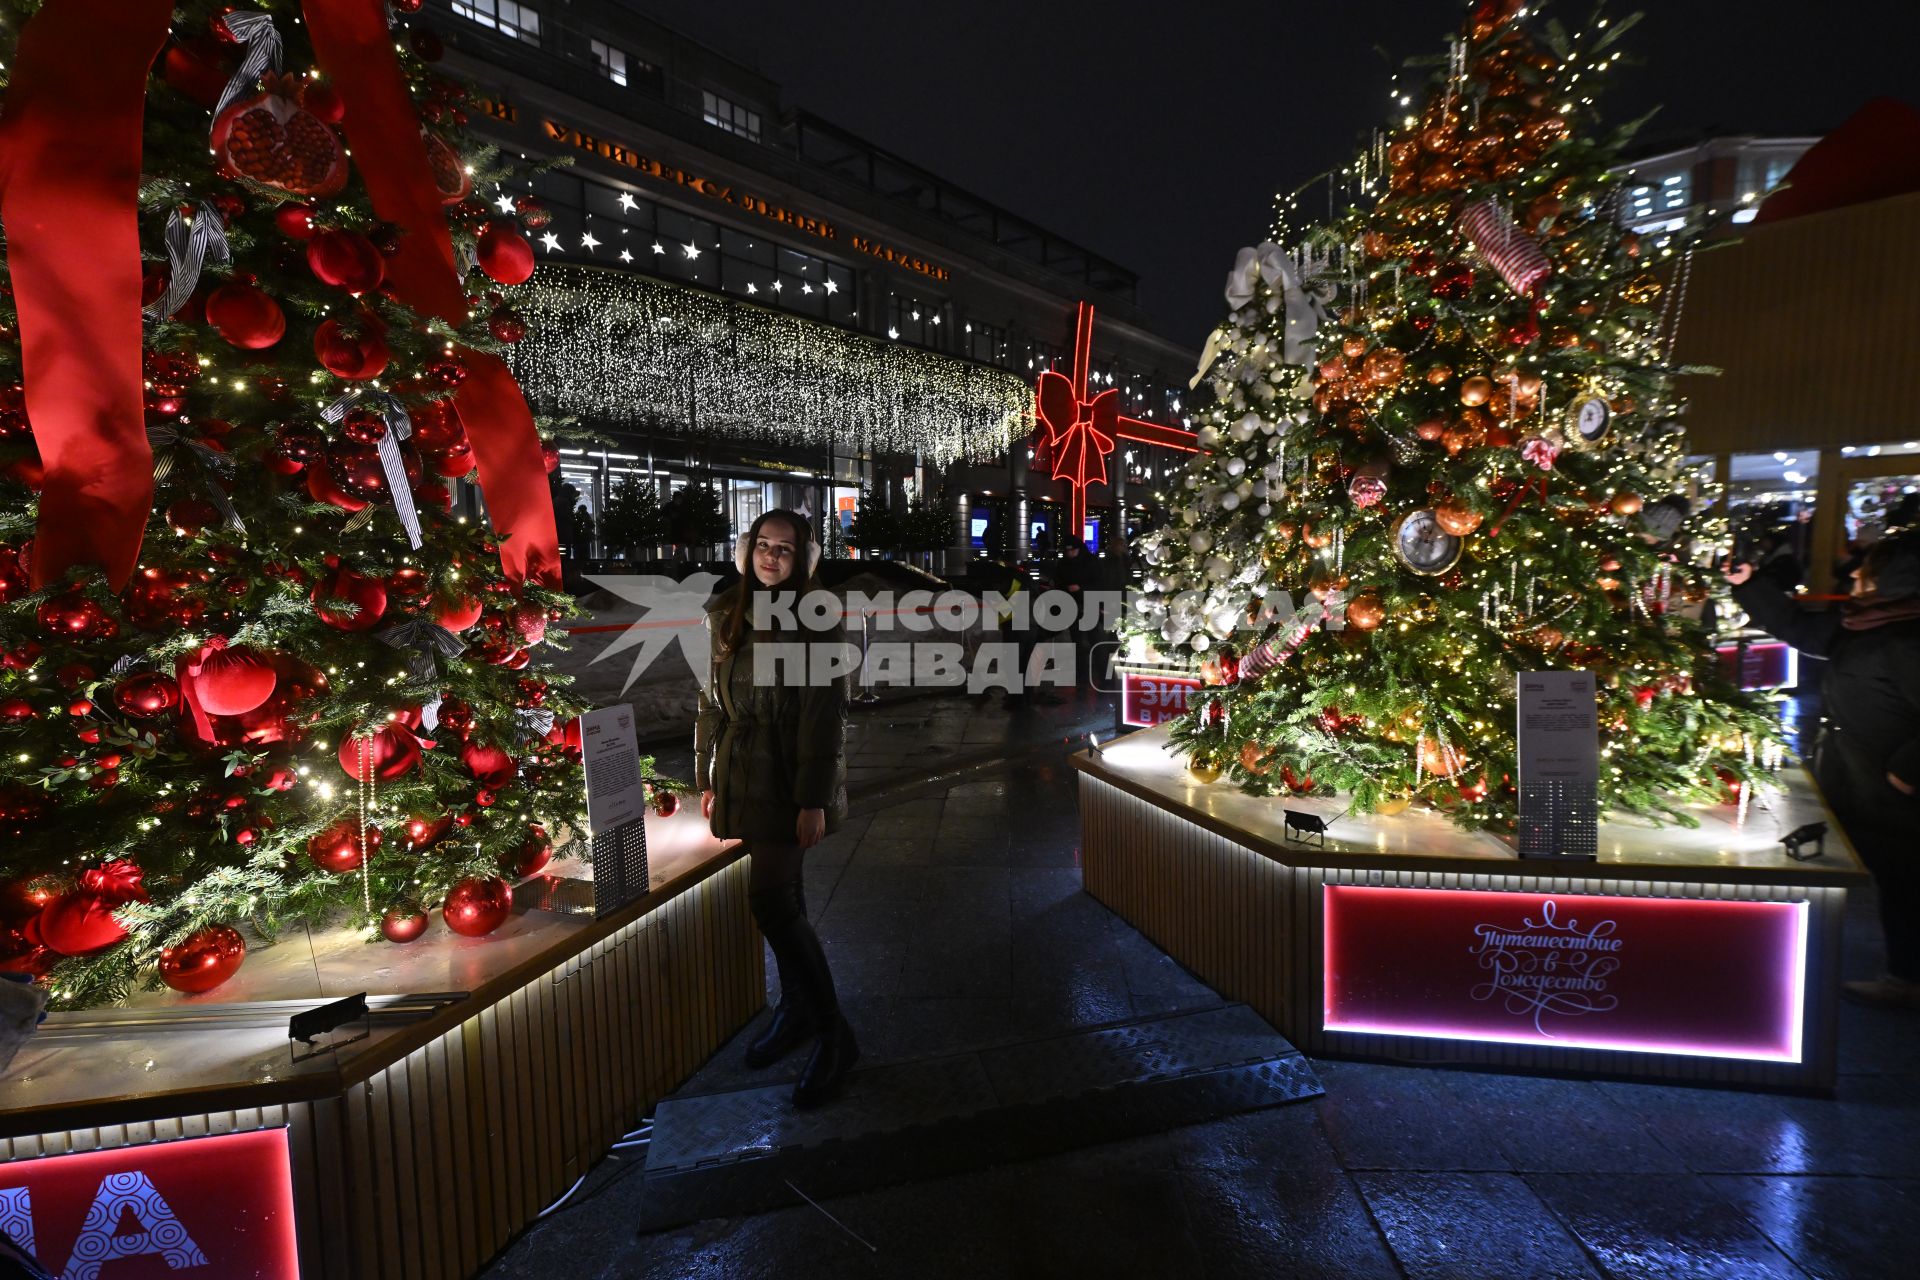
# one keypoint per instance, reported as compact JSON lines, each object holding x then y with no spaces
{"x":1446,"y":447}
{"x":257,"y":673}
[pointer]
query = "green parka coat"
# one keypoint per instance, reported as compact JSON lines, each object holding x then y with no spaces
{"x":768,"y":750}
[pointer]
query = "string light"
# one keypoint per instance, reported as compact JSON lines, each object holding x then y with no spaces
{"x":639,"y":353}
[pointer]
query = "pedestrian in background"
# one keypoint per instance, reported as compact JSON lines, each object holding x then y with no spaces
{"x":1868,"y":759}
{"x":770,"y":764}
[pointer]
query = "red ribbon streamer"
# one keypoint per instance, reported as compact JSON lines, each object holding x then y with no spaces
{"x":69,"y":186}
{"x":353,"y":45}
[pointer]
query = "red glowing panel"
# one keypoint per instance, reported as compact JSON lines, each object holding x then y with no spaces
{"x":1716,"y":979}
{"x":217,"y":1206}
{"x":1150,"y":700}
{"x":1765,"y":665}
{"x":1079,"y":433}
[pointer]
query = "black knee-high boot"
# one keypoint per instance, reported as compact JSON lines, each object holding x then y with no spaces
{"x":836,"y":1050}
{"x":776,"y":910}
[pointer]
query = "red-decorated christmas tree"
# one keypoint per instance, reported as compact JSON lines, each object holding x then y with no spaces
{"x":257,"y":672}
{"x":1447,"y":448}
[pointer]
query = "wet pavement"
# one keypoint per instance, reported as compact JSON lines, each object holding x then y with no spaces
{"x":951,"y":909}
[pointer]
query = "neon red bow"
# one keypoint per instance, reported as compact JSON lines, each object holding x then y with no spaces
{"x":1080,"y":433}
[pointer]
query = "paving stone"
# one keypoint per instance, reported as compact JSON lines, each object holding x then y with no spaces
{"x":1401,"y":1118}
{"x":1471,"y":1226}
{"x":1840,"y":1228}
{"x":1648,"y":1226}
{"x":1554,"y":1126}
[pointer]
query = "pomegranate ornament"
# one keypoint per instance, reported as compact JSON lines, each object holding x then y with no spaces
{"x":272,"y":138}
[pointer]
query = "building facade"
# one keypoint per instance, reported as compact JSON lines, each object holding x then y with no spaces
{"x":754,"y":297}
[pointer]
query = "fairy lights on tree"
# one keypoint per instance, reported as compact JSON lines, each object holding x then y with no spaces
{"x":1446,"y":448}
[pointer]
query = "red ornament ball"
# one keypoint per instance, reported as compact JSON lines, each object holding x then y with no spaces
{"x":388,"y":755}
{"x":368,"y":595}
{"x":189,"y":516}
{"x":299,"y":444}
{"x":321,"y":485}
{"x":246,"y":316}
{"x":203,"y":959}
{"x":423,"y":832}
{"x":346,"y":260}
{"x":535,"y":853}
{"x":458,"y":615}
{"x":355,"y":357}
{"x":342,"y":847}
{"x":503,"y":253}
{"x":401,"y":925}
{"x":16,"y":711}
{"x":72,"y":616}
{"x":229,"y":682}
{"x":666,"y":803}
{"x":295,"y":221}
{"x":489,"y":765}
{"x":507,"y":326}
{"x":455,"y":462}
{"x":477,"y":905}
{"x":78,"y":923}
{"x":147,"y":695}
{"x":356,"y":470}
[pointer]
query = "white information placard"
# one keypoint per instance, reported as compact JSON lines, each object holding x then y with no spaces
{"x":1559,"y":740}
{"x":610,"y":752}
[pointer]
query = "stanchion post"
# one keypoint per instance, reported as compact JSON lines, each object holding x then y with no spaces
{"x":866,"y":697}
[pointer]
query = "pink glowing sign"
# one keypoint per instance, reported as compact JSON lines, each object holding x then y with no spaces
{"x":218,"y":1206}
{"x":1149,"y":700}
{"x":1719,"y":979}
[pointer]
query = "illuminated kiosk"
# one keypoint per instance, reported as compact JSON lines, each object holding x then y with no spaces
{"x":495,"y":1072}
{"x":1706,"y":955}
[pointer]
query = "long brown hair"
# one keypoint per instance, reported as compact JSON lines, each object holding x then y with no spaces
{"x":733,"y":631}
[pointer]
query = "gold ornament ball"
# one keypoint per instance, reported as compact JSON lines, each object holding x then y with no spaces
{"x":1384,"y":366}
{"x":1626,"y":504}
{"x":1430,"y":430}
{"x":1202,"y":771}
{"x":1394,"y":805}
{"x":1366,"y":611}
{"x":1456,"y":517}
{"x":1252,"y":758}
{"x":1440,"y":374}
{"x":1354,"y":348}
{"x":1476,"y":390}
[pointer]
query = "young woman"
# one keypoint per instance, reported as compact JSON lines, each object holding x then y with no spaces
{"x":1868,"y":761}
{"x":770,"y":763}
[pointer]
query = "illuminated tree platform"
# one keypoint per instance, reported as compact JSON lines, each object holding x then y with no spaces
{"x":1703,"y":954}
{"x":494,"y":1073}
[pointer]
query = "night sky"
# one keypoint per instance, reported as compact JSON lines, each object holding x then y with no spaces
{"x":1156,"y":134}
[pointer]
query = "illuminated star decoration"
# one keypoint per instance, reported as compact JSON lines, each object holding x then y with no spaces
{"x":625,"y":256}
{"x":831,"y":287}
{"x":658,"y":247}
{"x":626,"y":201}
{"x":504,"y":203}
{"x":691,"y":250}
{"x":1079,"y":433}
{"x":587,"y":241}
{"x":550,"y":242}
